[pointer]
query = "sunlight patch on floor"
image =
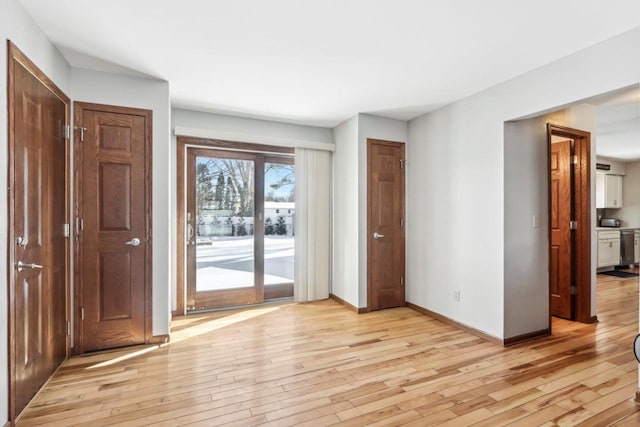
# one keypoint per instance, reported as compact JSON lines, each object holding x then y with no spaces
{"x":214,"y":324}
{"x":124,"y":357}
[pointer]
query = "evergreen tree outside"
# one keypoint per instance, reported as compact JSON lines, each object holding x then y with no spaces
{"x":204,"y":189}
{"x":269,"y":229}
{"x":242,"y":227}
{"x":219,"y":193}
{"x":229,"y":195}
{"x":281,"y":227}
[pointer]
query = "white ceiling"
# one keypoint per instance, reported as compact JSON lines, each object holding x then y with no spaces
{"x":618,"y":124}
{"x":320,"y":62}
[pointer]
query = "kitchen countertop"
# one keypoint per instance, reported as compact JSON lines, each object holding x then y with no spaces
{"x":616,"y":228}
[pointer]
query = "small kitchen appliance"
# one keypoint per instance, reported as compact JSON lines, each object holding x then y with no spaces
{"x":609,"y":222}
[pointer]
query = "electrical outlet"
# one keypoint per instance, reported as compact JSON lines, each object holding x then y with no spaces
{"x":456,"y":296}
{"x":536,"y":221}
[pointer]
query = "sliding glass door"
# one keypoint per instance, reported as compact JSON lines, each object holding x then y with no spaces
{"x":239,"y":221}
{"x":279,"y":220}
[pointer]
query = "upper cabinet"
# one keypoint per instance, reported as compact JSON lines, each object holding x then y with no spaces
{"x":608,"y":191}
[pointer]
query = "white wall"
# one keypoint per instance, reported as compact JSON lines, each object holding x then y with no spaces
{"x":238,"y":129}
{"x":242,"y":129}
{"x":526,"y":255}
{"x":370,"y":127}
{"x":16,"y":25}
{"x":350,"y":201}
{"x":112,"y":89}
{"x":455,"y":224}
{"x":345,"y":212}
{"x":617,"y":167}
{"x":629,"y":214}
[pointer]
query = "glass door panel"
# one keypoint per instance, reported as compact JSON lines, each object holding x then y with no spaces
{"x":279,"y":220}
{"x":239,"y":227}
{"x":220,"y":219}
{"x":224,"y":224}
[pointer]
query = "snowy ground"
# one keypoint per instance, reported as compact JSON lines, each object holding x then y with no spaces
{"x":228,"y":262}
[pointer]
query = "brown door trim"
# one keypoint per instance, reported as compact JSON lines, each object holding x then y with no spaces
{"x":370,"y":230}
{"x":15,"y":55}
{"x":582,"y":215}
{"x":271,"y":153}
{"x":78,"y":110}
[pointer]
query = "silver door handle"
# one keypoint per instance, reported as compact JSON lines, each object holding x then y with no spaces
{"x":376,"y":235}
{"x":133,"y":242}
{"x":22,"y":265}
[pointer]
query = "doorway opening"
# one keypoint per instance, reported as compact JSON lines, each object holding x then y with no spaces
{"x":236,"y":221}
{"x":569,"y":224}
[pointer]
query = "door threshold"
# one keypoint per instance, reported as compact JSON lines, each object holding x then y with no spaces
{"x":274,"y":301}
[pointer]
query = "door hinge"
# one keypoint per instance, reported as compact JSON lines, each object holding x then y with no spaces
{"x":67,"y":132}
{"x":67,"y":231}
{"x":401,"y":164}
{"x":573,"y":225}
{"x":401,"y":222}
{"x":68,"y":328}
{"x":82,"y":313}
{"x":82,"y":131}
{"x":574,"y":160}
{"x":574,"y":290}
{"x":402,"y":280}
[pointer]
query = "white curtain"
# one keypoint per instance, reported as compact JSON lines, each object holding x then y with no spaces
{"x":312,"y":217}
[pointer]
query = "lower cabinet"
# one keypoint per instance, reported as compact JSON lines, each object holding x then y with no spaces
{"x":608,"y":248}
{"x":636,"y":247}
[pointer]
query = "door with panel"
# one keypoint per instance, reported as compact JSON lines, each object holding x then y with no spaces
{"x":114,"y":226}
{"x":569,"y":191}
{"x":560,"y":277}
{"x":38,"y":149}
{"x":385,"y":211}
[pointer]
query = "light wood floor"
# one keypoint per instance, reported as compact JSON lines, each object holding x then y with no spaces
{"x":320,"y":364}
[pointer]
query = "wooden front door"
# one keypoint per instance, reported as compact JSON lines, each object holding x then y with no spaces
{"x":38,"y":114}
{"x":560,"y":277}
{"x":114,"y":223}
{"x":385,"y":211}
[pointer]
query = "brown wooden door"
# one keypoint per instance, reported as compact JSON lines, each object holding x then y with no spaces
{"x":115,"y":221}
{"x":38,"y":114}
{"x":385,"y":210}
{"x":560,"y":253}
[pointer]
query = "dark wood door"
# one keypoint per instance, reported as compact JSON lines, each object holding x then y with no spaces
{"x":560,"y":280}
{"x":38,"y":115}
{"x":385,"y":242}
{"x":115,"y":217}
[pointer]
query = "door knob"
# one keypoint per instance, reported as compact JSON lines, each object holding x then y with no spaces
{"x":22,"y":265}
{"x":377,"y":235}
{"x":133,"y":242}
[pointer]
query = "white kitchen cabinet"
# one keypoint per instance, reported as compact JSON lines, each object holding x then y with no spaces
{"x":636,"y":247}
{"x":608,"y":248}
{"x":608,"y":191}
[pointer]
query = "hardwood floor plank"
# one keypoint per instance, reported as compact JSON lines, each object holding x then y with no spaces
{"x":319,"y":364}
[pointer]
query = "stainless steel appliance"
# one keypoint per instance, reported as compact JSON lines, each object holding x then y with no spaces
{"x":626,"y":247}
{"x":609,"y":222}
